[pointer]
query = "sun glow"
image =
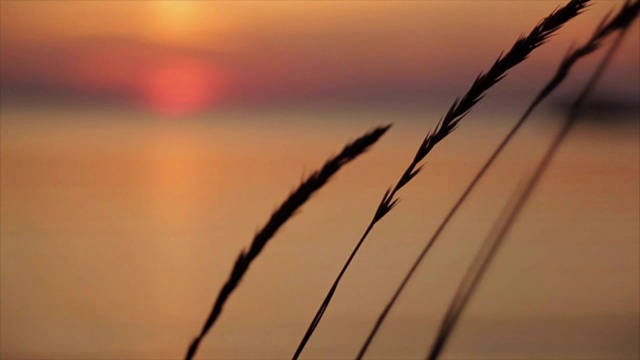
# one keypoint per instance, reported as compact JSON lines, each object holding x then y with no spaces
{"x":176,"y":22}
{"x":180,"y":87}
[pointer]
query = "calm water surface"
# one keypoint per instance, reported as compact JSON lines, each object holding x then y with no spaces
{"x":118,"y":229}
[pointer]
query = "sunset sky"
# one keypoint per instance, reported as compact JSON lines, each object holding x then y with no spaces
{"x":181,"y":57}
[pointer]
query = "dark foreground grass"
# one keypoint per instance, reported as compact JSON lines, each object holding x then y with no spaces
{"x":496,"y":236}
{"x":619,"y":22}
{"x":458,"y":110}
{"x":286,"y":210}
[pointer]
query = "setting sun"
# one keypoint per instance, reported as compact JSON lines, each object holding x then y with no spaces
{"x":180,"y":87}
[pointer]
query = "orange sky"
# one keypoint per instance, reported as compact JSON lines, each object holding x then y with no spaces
{"x":182,"y":56}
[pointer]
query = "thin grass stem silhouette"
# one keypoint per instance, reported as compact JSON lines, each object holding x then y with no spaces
{"x":620,"y":21}
{"x":511,"y":211}
{"x":458,"y":110}
{"x":286,"y":210}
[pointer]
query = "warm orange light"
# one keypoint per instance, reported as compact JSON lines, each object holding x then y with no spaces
{"x":181,"y":87}
{"x":175,"y":21}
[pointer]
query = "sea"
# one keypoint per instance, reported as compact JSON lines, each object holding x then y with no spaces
{"x":119,"y":227}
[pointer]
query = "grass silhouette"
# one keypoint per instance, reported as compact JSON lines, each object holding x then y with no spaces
{"x":510,"y":212}
{"x":620,"y":22}
{"x":281,"y":215}
{"x":519,"y":52}
{"x":458,"y":110}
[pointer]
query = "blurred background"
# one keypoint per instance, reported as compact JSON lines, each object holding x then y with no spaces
{"x":142,"y":143}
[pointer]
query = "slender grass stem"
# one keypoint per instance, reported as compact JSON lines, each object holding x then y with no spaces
{"x":324,"y":305}
{"x":601,"y":33}
{"x":511,"y":211}
{"x":458,"y":110}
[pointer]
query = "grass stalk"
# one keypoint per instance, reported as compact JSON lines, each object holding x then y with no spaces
{"x":458,"y":110}
{"x":625,"y":14}
{"x":511,"y":211}
{"x":286,"y":210}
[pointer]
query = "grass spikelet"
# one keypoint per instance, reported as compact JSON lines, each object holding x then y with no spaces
{"x":458,"y":110}
{"x":620,"y":21}
{"x":491,"y":244}
{"x":283,"y":213}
